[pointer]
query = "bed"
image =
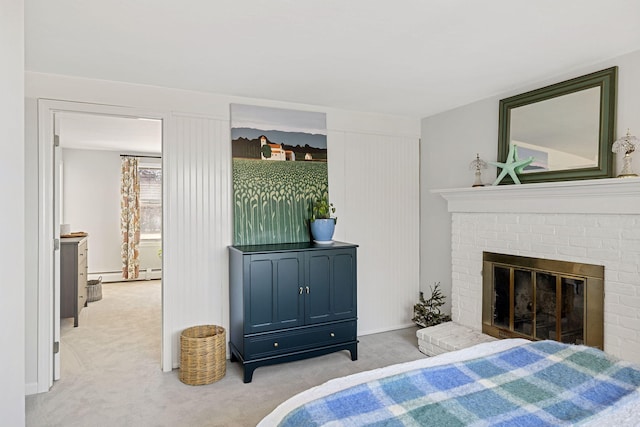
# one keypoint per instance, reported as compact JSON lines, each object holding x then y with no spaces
{"x":502,"y":383}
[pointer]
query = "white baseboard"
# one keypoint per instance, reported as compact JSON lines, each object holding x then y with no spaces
{"x":30,"y":388}
{"x":116,"y":276}
{"x":386,"y":329}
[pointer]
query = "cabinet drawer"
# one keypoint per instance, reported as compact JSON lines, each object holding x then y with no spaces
{"x":82,"y":283}
{"x":82,"y":276}
{"x":270,"y":344}
{"x":82,"y":252}
{"x":82,"y":270}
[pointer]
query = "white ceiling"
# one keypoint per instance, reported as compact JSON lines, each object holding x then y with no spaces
{"x":110,"y":133}
{"x":412,"y":58}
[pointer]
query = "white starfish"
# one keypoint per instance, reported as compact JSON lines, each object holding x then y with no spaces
{"x":512,"y":165}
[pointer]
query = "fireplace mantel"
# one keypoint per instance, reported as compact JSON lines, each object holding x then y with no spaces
{"x":597,"y":196}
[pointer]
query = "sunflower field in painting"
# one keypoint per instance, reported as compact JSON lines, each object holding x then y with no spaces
{"x":272,"y":199}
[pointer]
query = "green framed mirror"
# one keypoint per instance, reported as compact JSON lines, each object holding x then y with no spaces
{"x":567,"y":127}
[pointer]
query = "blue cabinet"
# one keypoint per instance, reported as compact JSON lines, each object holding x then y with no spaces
{"x":290,"y":302}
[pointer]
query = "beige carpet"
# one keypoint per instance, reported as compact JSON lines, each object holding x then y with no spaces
{"x":111,"y":375}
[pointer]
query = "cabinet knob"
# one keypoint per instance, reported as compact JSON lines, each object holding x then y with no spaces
{"x":275,"y":344}
{"x":300,"y":290}
{"x":332,"y":335}
{"x":307,"y":289}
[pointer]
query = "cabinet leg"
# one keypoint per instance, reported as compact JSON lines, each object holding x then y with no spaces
{"x":248,"y":373}
{"x":354,"y":352}
{"x":233,"y":357}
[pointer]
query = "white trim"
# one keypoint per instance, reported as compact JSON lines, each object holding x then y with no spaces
{"x":385,"y":329}
{"x":45,"y":248}
{"x":150,"y":163}
{"x":596,"y":196}
{"x":150,"y":242}
{"x":31,"y":388}
{"x":46,"y":110}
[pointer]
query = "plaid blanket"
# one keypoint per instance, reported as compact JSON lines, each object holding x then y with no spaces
{"x":543,"y":383}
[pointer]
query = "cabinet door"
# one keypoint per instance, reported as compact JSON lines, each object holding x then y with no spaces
{"x":273,"y":292}
{"x":331,"y":279}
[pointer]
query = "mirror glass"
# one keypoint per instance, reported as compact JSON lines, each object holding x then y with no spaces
{"x":560,"y":133}
{"x":568,"y":128}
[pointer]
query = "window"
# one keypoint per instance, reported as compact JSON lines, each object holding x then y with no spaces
{"x":150,"y":177}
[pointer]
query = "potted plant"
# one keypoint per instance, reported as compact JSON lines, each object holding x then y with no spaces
{"x":322,"y":223}
{"x":427,"y":312}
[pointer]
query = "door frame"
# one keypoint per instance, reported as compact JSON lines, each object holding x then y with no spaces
{"x":47,"y":108}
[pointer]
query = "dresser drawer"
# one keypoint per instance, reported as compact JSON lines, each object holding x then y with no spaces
{"x":82,"y":271}
{"x":82,"y":275}
{"x":269,"y":344}
{"x":82,"y":286}
{"x":82,"y":251}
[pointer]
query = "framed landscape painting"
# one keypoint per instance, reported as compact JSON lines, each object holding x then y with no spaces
{"x":279,"y":170}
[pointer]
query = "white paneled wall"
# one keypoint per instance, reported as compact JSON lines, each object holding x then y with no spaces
{"x":381,"y":205}
{"x":197,"y":172}
{"x":373,"y":180}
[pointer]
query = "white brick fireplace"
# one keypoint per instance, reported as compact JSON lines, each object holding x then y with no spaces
{"x":593,"y":222}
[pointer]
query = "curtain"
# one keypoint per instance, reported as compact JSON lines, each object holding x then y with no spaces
{"x":130,"y":217}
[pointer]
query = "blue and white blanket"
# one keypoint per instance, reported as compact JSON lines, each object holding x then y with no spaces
{"x":543,"y":383}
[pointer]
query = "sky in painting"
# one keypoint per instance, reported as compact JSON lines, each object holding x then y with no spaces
{"x":267,"y":118}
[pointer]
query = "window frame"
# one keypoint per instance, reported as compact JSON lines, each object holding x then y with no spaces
{"x":150,"y":164}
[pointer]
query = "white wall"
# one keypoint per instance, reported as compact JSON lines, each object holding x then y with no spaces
{"x":450,"y":141}
{"x":91,"y":203}
{"x":31,"y":248}
{"x":197,"y":174}
{"x":12,"y":170}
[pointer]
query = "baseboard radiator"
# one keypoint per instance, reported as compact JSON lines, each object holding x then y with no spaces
{"x":116,"y":276}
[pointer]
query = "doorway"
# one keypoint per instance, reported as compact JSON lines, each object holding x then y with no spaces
{"x":92,"y":148}
{"x":93,"y":136}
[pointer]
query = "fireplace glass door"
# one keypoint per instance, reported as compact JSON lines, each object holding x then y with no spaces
{"x":540,"y":301}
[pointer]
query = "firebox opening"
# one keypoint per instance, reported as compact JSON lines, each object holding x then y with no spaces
{"x":541,"y":299}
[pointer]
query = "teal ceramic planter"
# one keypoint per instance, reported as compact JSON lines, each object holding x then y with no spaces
{"x":322,"y":229}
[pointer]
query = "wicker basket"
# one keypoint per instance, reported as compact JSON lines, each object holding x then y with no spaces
{"x":94,"y":290}
{"x":202,"y":354}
